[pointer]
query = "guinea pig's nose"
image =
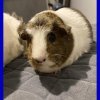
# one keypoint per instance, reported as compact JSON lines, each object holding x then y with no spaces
{"x":40,"y":60}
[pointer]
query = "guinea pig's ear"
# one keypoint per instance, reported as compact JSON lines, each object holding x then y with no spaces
{"x":17,"y":17}
{"x":22,"y":33}
{"x":68,"y":29}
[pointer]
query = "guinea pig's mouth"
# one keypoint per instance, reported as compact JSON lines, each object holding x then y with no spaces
{"x":45,"y":67}
{"x":35,"y":64}
{"x":53,"y":62}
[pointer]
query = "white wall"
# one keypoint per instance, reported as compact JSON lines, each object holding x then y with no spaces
{"x":87,"y":7}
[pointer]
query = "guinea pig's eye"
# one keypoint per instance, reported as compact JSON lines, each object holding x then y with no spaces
{"x":26,"y":36}
{"x":51,"y":37}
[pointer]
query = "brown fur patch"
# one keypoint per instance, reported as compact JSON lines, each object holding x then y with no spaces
{"x":45,"y":20}
{"x":60,"y":50}
{"x":24,"y":39}
{"x":21,"y":28}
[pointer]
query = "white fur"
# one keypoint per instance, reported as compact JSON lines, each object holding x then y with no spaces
{"x":39,"y":48}
{"x":80,"y":32}
{"x":39,"y":44}
{"x":12,"y":47}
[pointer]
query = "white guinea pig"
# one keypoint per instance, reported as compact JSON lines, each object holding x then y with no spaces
{"x":12,"y":46}
{"x":56,"y":39}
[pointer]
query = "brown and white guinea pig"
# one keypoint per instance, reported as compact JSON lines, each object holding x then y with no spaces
{"x":56,"y":39}
{"x":12,"y":45}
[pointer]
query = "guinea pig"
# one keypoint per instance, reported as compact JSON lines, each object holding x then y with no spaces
{"x":56,"y":39}
{"x":12,"y":46}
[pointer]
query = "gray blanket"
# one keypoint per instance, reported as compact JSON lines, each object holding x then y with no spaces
{"x":76,"y":82}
